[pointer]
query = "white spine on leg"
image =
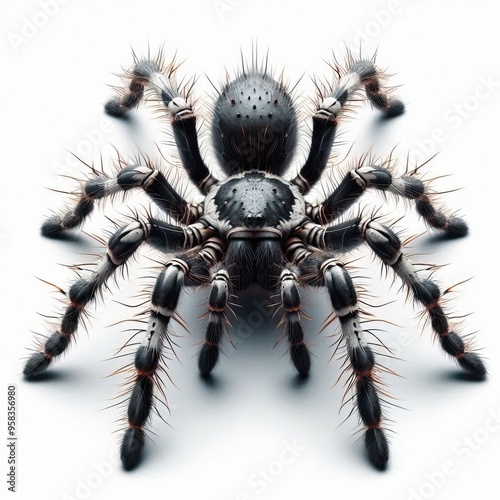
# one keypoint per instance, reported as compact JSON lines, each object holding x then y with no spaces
{"x":406,"y":271}
{"x":178,"y":106}
{"x":330,"y":106}
{"x":397,"y":187}
{"x":156,"y":332}
{"x":364,"y":176}
{"x":347,"y":82}
{"x":104,"y":269}
{"x":353,"y":334}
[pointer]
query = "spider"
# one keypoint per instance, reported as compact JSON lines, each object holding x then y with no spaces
{"x":255,"y":227}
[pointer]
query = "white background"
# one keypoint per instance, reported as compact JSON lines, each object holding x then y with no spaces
{"x":225,"y":435}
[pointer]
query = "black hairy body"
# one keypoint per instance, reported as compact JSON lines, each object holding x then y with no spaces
{"x":255,"y":227}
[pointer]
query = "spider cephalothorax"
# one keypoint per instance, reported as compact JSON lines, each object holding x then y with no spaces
{"x":254,"y":227}
{"x":254,"y":212}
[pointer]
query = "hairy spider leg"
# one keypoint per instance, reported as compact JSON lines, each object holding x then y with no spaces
{"x":325,"y":270}
{"x":359,"y":74}
{"x":212,"y":253}
{"x":387,"y":247}
{"x":154,"y":76}
{"x":290,"y":300}
{"x":146,"y":177}
{"x":178,"y":272}
{"x":358,"y":180}
{"x":122,"y":245}
{"x":217,"y":303}
{"x":342,"y":236}
{"x":185,"y":270}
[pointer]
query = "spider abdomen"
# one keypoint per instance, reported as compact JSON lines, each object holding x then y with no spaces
{"x":254,"y":125}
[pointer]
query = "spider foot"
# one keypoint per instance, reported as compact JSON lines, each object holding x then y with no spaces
{"x":132,"y":446}
{"x":118,"y":108}
{"x":52,"y":227}
{"x":452,"y":227}
{"x":55,"y":345}
{"x":115,"y":109}
{"x":456,"y":228}
{"x":36,"y":364}
{"x":469,"y":361}
{"x":55,"y":225}
{"x":395,"y":108}
{"x":377,"y":447}
{"x":473,"y":364}
{"x":209,"y":356}
{"x":301,"y":359}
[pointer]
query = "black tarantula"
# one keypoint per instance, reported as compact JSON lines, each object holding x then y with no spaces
{"x":254,"y":228}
